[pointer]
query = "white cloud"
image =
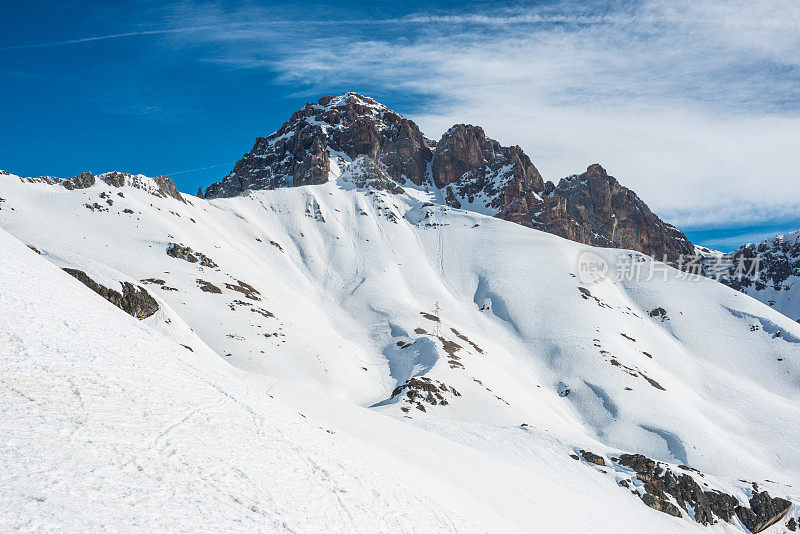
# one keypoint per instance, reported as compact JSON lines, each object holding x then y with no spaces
{"x":693,"y":104}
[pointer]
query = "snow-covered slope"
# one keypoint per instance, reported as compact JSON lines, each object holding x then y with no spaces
{"x":364,"y":310}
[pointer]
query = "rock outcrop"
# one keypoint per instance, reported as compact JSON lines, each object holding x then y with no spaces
{"x":764,"y":511}
{"x":365,"y":173}
{"x":662,"y":486}
{"x":778,"y":264}
{"x":159,"y":186}
{"x":185,"y":253}
{"x":134,"y":300}
{"x":81,"y":181}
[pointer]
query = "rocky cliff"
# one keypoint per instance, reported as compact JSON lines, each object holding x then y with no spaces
{"x":593,"y":208}
{"x":475,"y":172}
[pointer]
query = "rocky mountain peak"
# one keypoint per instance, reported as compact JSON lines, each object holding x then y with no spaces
{"x":319,"y":139}
{"x":593,"y":208}
{"x":464,"y":148}
{"x":469,"y":169}
{"x":478,"y":173}
{"x":595,"y":170}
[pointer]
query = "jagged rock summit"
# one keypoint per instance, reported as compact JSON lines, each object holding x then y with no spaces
{"x":464,"y":169}
{"x":593,"y":208}
{"x":318,"y":141}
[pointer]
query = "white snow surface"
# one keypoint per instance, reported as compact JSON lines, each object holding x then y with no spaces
{"x":280,"y":416}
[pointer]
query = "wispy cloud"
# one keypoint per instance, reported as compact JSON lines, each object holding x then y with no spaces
{"x":66,"y":42}
{"x":694,"y":104}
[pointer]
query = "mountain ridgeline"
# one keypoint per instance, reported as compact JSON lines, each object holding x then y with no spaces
{"x":465,"y":168}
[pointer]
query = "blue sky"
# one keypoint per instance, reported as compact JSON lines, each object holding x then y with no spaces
{"x":694,"y":105}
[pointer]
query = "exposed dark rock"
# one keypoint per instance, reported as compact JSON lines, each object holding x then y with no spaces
{"x":244,"y":288}
{"x":164,"y":187}
{"x":791,"y":524}
{"x":95,"y":207}
{"x":81,"y":181}
{"x":186,"y":253}
{"x":764,"y":511}
{"x":207,"y":286}
{"x":652,"y":382}
{"x":422,"y":389}
{"x":156,"y":281}
{"x":365,"y":173}
{"x":450,"y":347}
{"x":134,"y":300}
{"x":464,"y":338}
{"x":587,"y":295}
{"x":429,"y":316}
{"x":167,"y":188}
{"x":470,"y":169}
{"x":660,"y":504}
{"x":114,"y":179}
{"x":708,"y":505}
{"x":766,"y":268}
{"x":592,"y":458}
{"x":659,"y":313}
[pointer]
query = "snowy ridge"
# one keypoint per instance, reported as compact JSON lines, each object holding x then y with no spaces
{"x":363,"y":310}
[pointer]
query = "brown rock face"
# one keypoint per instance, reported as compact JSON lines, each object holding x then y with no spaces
{"x":351,"y":124}
{"x":474,"y":169}
{"x":593,"y":208}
